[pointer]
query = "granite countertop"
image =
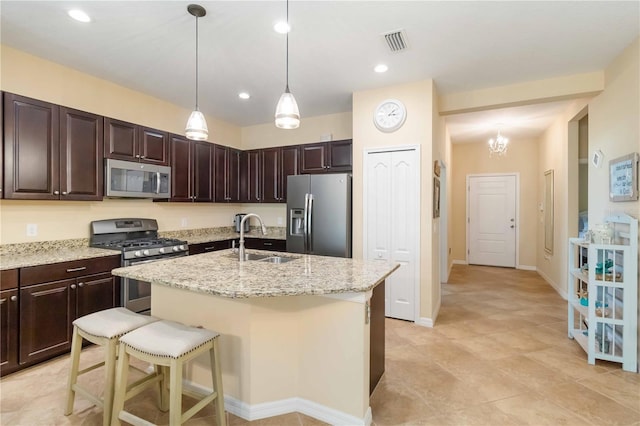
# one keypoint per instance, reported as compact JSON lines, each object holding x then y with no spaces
{"x":47,"y":252}
{"x":220,"y":274}
{"x":23,"y":255}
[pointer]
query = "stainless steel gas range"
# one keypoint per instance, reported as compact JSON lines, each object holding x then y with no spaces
{"x":137,"y":240}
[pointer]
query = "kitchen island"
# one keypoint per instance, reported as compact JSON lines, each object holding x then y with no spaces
{"x":295,"y":336}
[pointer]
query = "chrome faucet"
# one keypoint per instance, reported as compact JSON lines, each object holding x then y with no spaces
{"x":241,"y":244}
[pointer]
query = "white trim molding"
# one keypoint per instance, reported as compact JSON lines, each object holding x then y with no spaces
{"x":526,"y":267}
{"x":285,"y":406}
{"x":555,"y":286}
{"x":458,"y":262}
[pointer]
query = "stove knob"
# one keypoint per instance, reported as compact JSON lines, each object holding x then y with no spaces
{"x":137,"y":253}
{"x":146,"y":252}
{"x":176,"y":248}
{"x":182,"y":248}
{"x":161,"y":250}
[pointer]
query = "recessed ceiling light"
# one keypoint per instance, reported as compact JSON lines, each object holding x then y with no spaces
{"x":79,"y":15}
{"x":244,"y":95}
{"x":282,"y":27}
{"x":381,"y":68}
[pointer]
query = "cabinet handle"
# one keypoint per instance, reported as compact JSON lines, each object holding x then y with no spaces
{"x":80,"y":284}
{"x":73,"y":286}
{"x":143,"y":156}
{"x":56,"y":192}
{"x":64,"y":192}
{"x":82,"y":268}
{"x":267,"y":244}
{"x":14,"y":298}
{"x":137,"y":156}
{"x":209,"y":248}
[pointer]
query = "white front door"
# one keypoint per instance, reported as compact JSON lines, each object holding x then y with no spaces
{"x":492,"y":220}
{"x":392,"y":224}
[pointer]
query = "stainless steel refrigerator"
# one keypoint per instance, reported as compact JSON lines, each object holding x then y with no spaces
{"x":319,"y":214}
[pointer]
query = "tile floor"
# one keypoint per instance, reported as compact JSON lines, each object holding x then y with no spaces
{"x":498,"y":355}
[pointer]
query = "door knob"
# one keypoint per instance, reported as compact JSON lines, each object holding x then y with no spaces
{"x":513,"y":226}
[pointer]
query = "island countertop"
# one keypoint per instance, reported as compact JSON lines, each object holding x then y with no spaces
{"x":221,"y":274}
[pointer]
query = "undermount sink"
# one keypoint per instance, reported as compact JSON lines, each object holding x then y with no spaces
{"x":277,"y":259}
{"x":269,"y":258}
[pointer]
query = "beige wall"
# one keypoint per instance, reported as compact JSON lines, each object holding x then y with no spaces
{"x":473,"y":158}
{"x":34,"y":77}
{"x":614,"y":129}
{"x":417,"y":130}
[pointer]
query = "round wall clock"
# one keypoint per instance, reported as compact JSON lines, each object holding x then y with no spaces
{"x":389,"y":116}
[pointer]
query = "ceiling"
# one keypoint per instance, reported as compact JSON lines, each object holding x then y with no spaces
{"x":149,"y":46}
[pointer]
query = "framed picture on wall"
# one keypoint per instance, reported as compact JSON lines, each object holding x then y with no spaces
{"x":436,"y":197}
{"x":623,"y":178}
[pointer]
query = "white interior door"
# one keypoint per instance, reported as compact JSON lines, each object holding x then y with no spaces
{"x":492,"y":220}
{"x":393,"y":226}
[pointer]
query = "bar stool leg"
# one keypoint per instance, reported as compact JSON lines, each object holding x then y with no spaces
{"x":163,"y":387}
{"x":216,"y":375}
{"x":175,"y":396}
{"x":110,"y":369}
{"x":76,"y":347}
{"x":121,"y":385}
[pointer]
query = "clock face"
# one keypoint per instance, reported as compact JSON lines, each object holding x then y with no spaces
{"x":389,"y":115}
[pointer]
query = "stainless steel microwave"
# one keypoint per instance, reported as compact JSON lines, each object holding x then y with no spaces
{"x":136,"y":180}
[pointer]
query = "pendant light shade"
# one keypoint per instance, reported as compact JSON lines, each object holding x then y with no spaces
{"x":287,"y":113}
{"x":196,"y":128}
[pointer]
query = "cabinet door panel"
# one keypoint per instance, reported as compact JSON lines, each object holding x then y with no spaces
{"x":81,"y":155}
{"x":154,"y":146}
{"x":290,"y":160}
{"x":202,"y":175}
{"x":270,"y":175}
{"x":95,"y":293}
{"x":31,"y":144}
{"x":46,"y":313}
{"x":181,"y":169}
{"x":120,"y":140}
{"x":233,"y":175}
{"x":313,"y":158}
{"x":8,"y":331}
{"x":252,"y":177}
{"x":340,"y":156}
{"x":220,"y":156}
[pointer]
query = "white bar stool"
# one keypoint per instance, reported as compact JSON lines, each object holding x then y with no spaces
{"x":101,"y":328}
{"x":167,"y":345}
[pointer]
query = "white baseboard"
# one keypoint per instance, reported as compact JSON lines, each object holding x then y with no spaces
{"x":552,"y":284}
{"x":284,"y":406}
{"x":425,"y":322}
{"x":527,"y":268}
{"x":459,"y":262}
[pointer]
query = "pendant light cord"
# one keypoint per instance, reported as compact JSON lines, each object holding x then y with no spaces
{"x":196,"y":63}
{"x":287,"y":38}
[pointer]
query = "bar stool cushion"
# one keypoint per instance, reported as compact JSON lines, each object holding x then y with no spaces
{"x":112,"y":323}
{"x":167,"y":339}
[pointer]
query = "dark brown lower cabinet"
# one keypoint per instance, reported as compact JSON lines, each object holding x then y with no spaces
{"x":210,"y":246}
{"x":376,"y":333}
{"x":265,"y":244}
{"x":9,"y":321}
{"x":95,"y":293}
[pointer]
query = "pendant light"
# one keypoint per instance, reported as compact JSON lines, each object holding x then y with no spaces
{"x":287,"y":113}
{"x":196,"y":125}
{"x":498,"y":145}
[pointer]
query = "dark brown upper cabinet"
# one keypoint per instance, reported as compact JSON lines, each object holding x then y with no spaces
{"x":326,"y":157}
{"x":227,"y":174}
{"x":1,"y":144}
{"x":51,"y":152}
{"x":131,"y":142}
{"x":277,"y":164}
{"x":191,"y":170}
{"x":251,"y":176}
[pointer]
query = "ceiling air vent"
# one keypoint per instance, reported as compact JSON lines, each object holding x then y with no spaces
{"x":396,"y":40}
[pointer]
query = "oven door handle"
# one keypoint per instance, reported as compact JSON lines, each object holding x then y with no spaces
{"x":140,"y":262}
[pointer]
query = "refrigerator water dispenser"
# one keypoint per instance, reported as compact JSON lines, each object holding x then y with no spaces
{"x":296,"y":227}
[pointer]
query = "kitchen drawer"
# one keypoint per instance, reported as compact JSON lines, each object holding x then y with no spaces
{"x":210,"y":246}
{"x":8,"y":279}
{"x":266,"y":244}
{"x":64,"y":270}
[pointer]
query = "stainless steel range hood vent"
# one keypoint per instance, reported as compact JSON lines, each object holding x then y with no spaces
{"x":396,"y":40}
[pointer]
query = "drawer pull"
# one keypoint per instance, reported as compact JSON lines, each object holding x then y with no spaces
{"x":14,"y":298}
{"x":209,"y":248}
{"x":267,"y":244}
{"x":82,"y":268}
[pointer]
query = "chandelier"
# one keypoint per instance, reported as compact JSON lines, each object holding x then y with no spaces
{"x":498,"y":145}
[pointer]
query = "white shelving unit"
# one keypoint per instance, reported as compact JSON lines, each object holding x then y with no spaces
{"x":603,"y":294}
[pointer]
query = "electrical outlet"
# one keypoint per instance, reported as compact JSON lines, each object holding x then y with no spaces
{"x":32,"y":230}
{"x":183,"y":222}
{"x":279,"y":220}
